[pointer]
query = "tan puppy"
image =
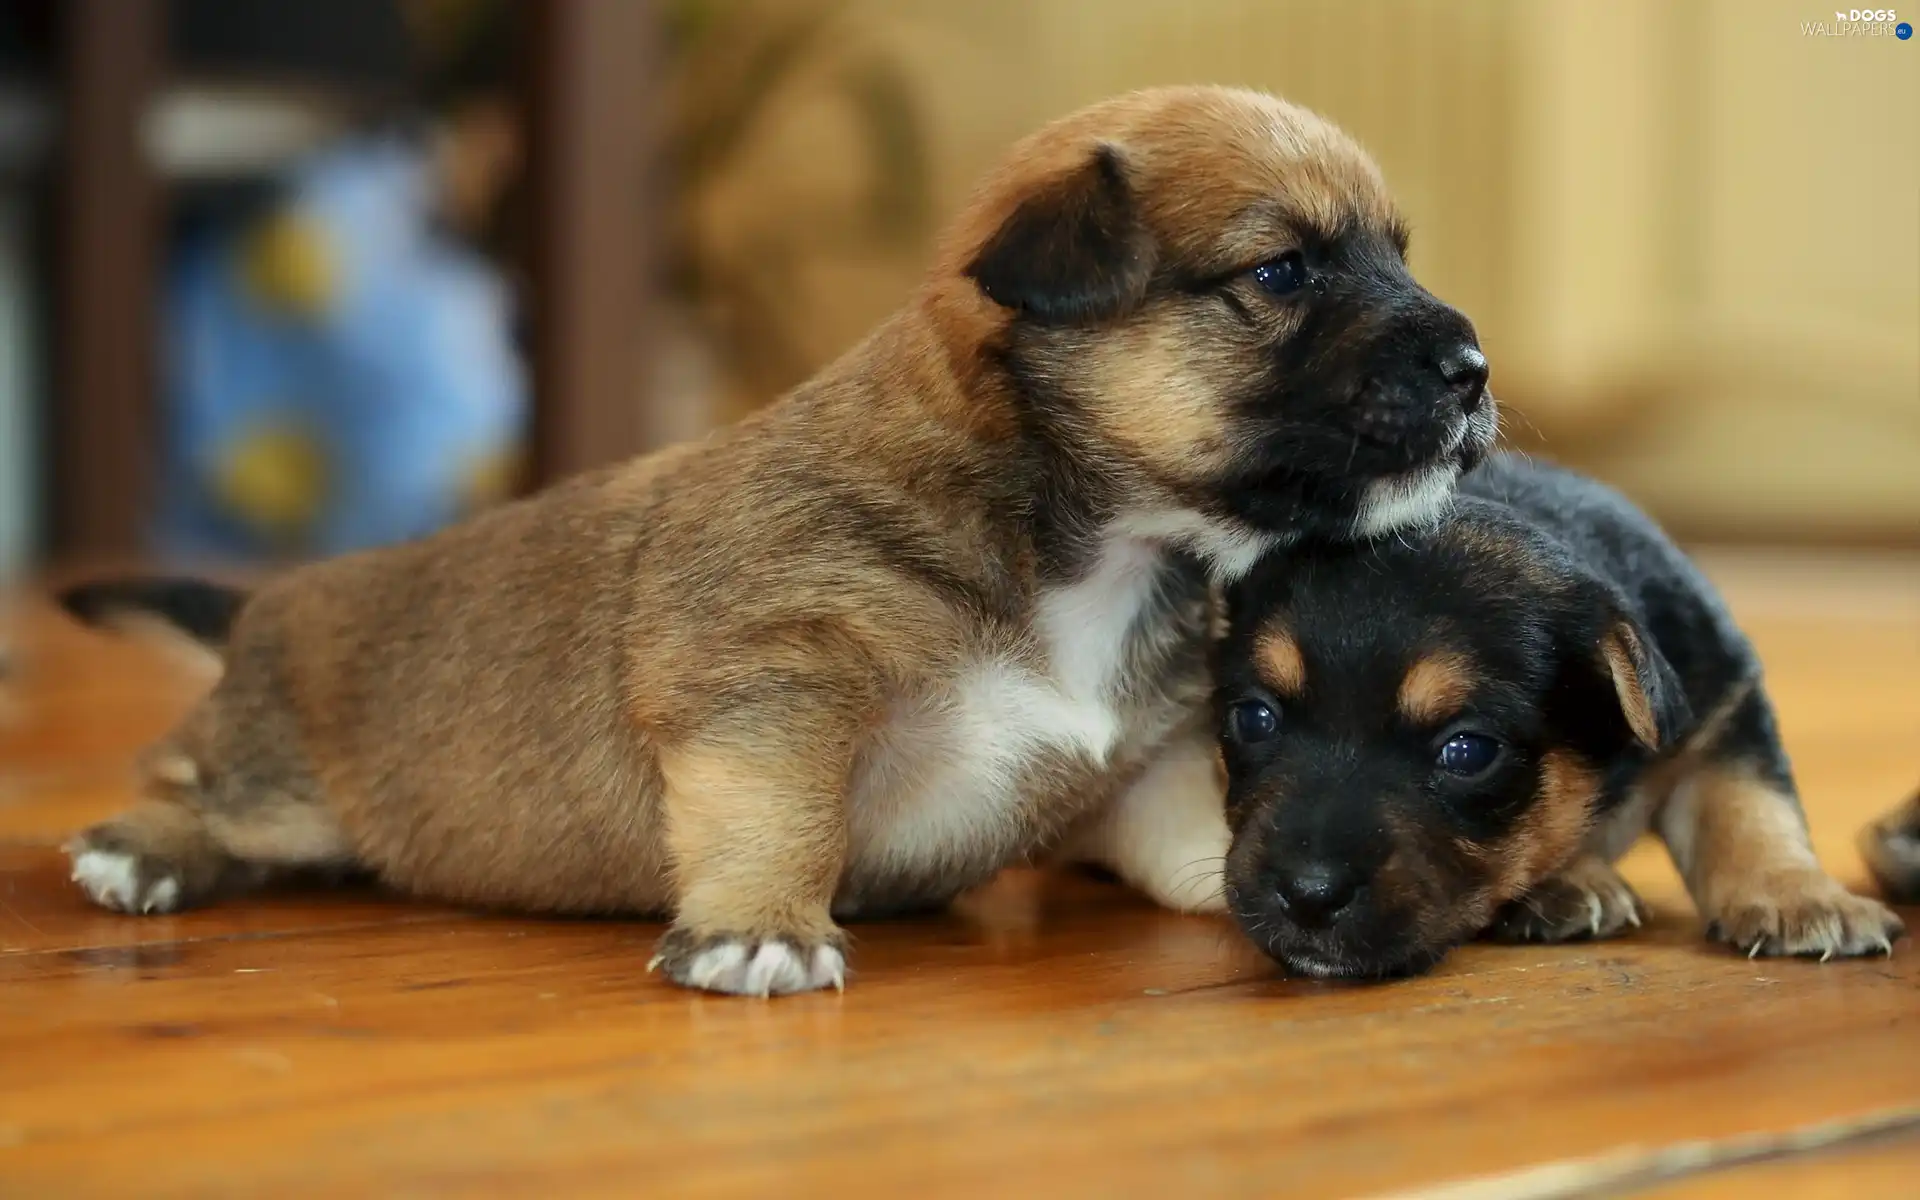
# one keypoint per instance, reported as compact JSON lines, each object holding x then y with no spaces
{"x":938,"y":610}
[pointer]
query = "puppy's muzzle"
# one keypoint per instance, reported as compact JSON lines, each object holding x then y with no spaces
{"x":1421,"y":393}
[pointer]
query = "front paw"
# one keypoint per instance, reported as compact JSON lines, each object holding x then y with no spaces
{"x":1804,"y":915}
{"x":751,"y":965}
{"x":121,"y":865}
{"x":1586,"y":901}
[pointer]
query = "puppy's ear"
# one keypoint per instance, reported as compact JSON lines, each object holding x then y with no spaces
{"x":1651,"y":697}
{"x":1615,"y":689}
{"x":1074,"y":250}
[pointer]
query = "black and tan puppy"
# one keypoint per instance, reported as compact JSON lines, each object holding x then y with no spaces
{"x":1456,"y":734}
{"x":938,"y":610}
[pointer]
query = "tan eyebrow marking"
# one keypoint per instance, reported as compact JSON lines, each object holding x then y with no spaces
{"x":1435,"y":687}
{"x":1278,"y":658}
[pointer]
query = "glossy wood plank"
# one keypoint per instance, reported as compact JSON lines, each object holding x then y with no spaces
{"x":1051,"y":1035}
{"x":1886,"y":1167}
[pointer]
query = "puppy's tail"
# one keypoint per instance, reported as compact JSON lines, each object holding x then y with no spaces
{"x":189,"y":618}
{"x":1891,"y":847}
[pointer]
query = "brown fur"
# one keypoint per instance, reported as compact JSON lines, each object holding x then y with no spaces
{"x":702,"y":682}
{"x":1742,"y":847}
{"x":1619,"y":649}
{"x":1552,"y":831}
{"x":1534,"y":884}
{"x":1435,"y":687}
{"x":1278,"y":657}
{"x":1585,"y":899}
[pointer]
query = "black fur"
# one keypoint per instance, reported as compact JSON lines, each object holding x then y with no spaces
{"x":1350,"y":396}
{"x":1528,"y":577}
{"x":201,"y":610}
{"x":1699,"y":656}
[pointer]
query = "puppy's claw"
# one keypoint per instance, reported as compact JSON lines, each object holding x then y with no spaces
{"x":743,"y":966}
{"x":833,"y":965}
{"x":1807,"y":916}
{"x":1587,"y":900}
{"x":124,"y":880}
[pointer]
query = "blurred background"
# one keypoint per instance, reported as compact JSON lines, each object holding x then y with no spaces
{"x":287,"y":279}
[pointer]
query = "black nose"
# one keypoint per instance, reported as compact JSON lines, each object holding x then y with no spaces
{"x":1465,"y":370}
{"x":1314,"y":893}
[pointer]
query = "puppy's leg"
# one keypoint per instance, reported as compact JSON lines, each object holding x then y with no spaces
{"x":1587,"y":899}
{"x":1166,"y":833}
{"x":758,"y":835}
{"x":1741,"y":843}
{"x":1891,"y":847}
{"x":176,"y":850}
{"x":154,"y":858}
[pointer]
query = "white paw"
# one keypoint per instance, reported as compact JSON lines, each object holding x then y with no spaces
{"x":748,"y":968}
{"x":113,"y":880}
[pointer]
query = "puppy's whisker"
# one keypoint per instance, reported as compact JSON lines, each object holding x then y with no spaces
{"x":1180,"y":885}
{"x":1526,"y":420}
{"x":1182,"y":871}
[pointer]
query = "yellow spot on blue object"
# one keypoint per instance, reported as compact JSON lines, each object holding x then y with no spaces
{"x":490,"y":479}
{"x":273,"y":478}
{"x":288,"y":265}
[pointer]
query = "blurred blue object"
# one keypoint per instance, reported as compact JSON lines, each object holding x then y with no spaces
{"x":339,"y":373}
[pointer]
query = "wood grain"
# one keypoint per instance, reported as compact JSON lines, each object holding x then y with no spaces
{"x":1050,"y":1035}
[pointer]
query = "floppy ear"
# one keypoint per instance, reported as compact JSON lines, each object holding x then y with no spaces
{"x":1074,"y":250}
{"x":1649,"y":690}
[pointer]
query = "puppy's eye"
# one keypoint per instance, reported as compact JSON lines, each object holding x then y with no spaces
{"x":1467,"y":755}
{"x":1250,"y":721}
{"x":1284,"y":275}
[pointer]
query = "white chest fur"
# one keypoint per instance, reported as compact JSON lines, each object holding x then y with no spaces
{"x":939,"y":789}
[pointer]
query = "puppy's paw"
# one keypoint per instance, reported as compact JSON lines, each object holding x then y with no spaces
{"x":1805,"y":915}
{"x":124,"y":881}
{"x":1588,"y":900}
{"x":154,"y":859}
{"x":751,"y":966}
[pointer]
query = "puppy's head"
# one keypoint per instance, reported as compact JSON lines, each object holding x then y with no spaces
{"x":1417,"y":732}
{"x":1206,"y":291}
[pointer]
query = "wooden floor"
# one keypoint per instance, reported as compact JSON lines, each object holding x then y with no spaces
{"x":1049,"y":1037}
